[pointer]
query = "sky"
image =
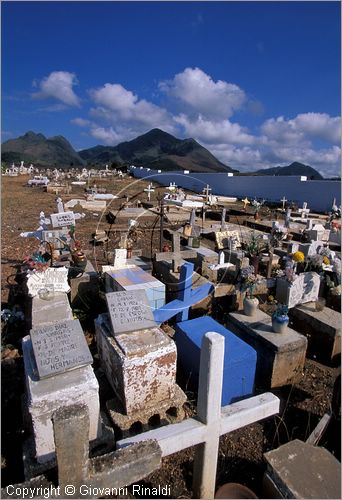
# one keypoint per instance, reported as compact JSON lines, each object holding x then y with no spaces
{"x":256,"y":83}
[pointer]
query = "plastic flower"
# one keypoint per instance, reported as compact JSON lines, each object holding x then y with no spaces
{"x":336,"y":290}
{"x":326,"y":261}
{"x":298,"y":257}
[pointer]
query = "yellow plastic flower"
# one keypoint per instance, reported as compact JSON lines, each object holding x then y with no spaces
{"x":326,"y":261}
{"x":298,"y":257}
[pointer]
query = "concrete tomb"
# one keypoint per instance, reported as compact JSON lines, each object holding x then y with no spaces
{"x":300,"y":470}
{"x":304,"y":289}
{"x":281,"y":357}
{"x":135,"y":278}
{"x":239,"y":360}
{"x":138,"y":358}
{"x":322,"y":328}
{"x":64,"y":360}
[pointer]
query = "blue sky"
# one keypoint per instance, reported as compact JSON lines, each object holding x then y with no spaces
{"x":257,"y":83}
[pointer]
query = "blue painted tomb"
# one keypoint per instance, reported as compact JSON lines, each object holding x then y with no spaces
{"x":239,"y":357}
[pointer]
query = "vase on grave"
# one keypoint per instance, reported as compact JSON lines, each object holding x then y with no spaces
{"x":250,"y":306}
{"x":289,"y":237}
{"x":234,"y":490}
{"x":79,"y":259}
{"x":279,"y":324}
{"x":255,"y":260}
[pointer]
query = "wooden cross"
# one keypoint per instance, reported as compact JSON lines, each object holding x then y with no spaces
{"x":283,"y":200}
{"x":82,"y":477}
{"x":149,"y":190}
{"x":246,"y":202}
{"x":212,"y":420}
{"x":206,"y":192}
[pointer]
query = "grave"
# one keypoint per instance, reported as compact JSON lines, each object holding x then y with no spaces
{"x":80,"y":476}
{"x":239,"y":360}
{"x":227,"y":239}
{"x":322,"y":329}
{"x":135,"y":278}
{"x":43,"y":311}
{"x":211,"y":421}
{"x":139,"y":360}
{"x":280,"y":357}
{"x":304,"y":289}
{"x":300,"y":470}
{"x":58,"y":373}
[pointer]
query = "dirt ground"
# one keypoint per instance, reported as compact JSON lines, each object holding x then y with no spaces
{"x":240,"y":453}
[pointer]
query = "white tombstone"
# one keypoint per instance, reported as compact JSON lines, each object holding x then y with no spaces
{"x":120,"y":258}
{"x":221,"y":257}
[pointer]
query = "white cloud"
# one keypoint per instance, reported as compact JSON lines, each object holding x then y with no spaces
{"x":305,"y":126}
{"x":214,"y":132}
{"x":81,"y":122}
{"x":58,"y":85}
{"x":203,"y":95}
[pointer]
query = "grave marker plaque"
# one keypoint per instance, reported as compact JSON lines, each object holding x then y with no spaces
{"x":53,"y":279}
{"x":59,"y":348}
{"x":63,"y":219}
{"x":129,"y":311}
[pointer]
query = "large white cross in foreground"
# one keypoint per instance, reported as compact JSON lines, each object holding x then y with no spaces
{"x":211,"y":422}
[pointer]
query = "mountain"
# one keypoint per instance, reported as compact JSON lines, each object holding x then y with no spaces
{"x":157,"y":150}
{"x":37,"y":149}
{"x":295,"y":168}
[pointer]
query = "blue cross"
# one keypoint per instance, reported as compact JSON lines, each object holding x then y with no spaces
{"x":186,"y":297}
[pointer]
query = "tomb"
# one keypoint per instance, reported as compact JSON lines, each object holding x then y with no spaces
{"x":322,"y":329}
{"x":280,"y":357}
{"x":139,"y":361}
{"x":53,"y":310}
{"x":300,"y":470}
{"x":135,"y":278}
{"x":304,"y":288}
{"x":239,"y":360}
{"x":58,"y":373}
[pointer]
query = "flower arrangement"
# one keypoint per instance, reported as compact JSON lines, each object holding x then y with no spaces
{"x":247,"y":280}
{"x":290,"y":274}
{"x":326,"y":260}
{"x":255,"y":245}
{"x":36,"y":262}
{"x":298,"y":256}
{"x":278,"y":233}
{"x":281,"y":311}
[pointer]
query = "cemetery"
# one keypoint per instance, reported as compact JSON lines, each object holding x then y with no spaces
{"x":169,"y":342}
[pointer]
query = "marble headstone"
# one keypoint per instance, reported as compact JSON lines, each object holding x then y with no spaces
{"x":53,"y":279}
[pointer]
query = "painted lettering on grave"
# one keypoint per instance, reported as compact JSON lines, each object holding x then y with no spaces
{"x":59,"y":348}
{"x":227,"y":239}
{"x":63,"y":219}
{"x":129,"y":311}
{"x":53,"y":279}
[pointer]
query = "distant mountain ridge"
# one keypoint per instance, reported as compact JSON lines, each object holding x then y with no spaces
{"x":36,"y":148}
{"x":295,"y":168}
{"x":157,"y":150}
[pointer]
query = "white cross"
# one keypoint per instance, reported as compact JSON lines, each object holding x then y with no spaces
{"x":43,"y":223}
{"x":283,"y":200}
{"x":206,"y":192}
{"x":211,"y":422}
{"x":149,"y":190}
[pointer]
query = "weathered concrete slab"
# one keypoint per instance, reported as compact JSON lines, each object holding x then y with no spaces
{"x":50,"y":311}
{"x":281,"y":357}
{"x":45,"y":396}
{"x":322,"y":329}
{"x":140,"y":366}
{"x":300,"y":470}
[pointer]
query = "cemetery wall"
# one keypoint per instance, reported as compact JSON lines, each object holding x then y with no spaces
{"x":319,"y":195}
